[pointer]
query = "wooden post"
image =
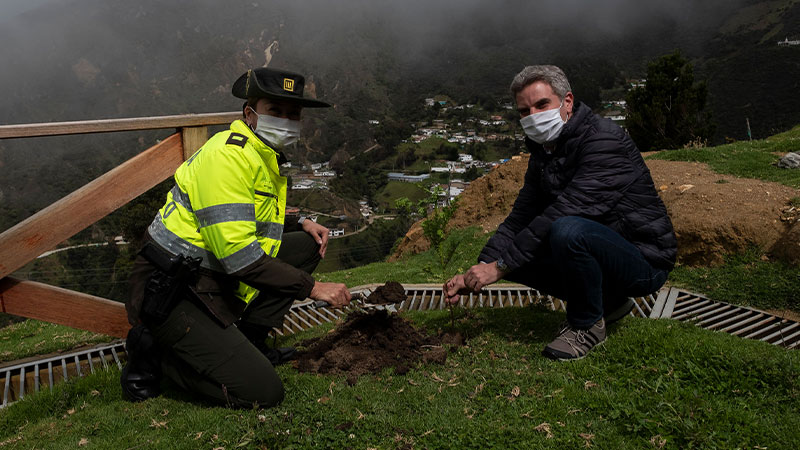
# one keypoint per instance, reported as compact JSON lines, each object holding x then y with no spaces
{"x":193,"y":139}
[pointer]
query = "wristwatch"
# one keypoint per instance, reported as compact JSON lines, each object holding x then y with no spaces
{"x":301,"y":220}
{"x":501,"y":265}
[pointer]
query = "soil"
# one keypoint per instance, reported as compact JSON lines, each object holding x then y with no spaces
{"x":713,"y":214}
{"x":367,"y":343}
{"x":389,"y":293}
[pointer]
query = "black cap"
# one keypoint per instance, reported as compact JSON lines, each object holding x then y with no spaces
{"x":274,"y":84}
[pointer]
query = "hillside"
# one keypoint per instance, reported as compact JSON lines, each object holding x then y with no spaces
{"x":372,"y":61}
{"x":713,"y":214}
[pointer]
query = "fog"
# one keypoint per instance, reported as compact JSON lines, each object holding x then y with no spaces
{"x":52,"y":45}
{"x":93,"y":59}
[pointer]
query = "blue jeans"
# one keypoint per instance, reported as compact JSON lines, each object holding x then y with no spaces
{"x":590,"y":266}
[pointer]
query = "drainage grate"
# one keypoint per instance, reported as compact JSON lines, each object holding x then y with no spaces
{"x":420,"y":297}
{"x":740,"y":321}
{"x":28,"y":377}
{"x":670,"y":303}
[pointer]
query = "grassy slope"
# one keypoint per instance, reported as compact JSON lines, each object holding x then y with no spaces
{"x":746,"y":278}
{"x":653,"y":381}
{"x":748,"y":159}
{"x":32,"y":337}
{"x":397,"y":189}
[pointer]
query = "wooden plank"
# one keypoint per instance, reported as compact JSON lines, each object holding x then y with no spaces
{"x":44,"y":230}
{"x":109,"y":125}
{"x":193,"y":138}
{"x":63,"y":306}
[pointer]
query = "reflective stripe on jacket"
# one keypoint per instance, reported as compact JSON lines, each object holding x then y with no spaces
{"x":227,"y":206}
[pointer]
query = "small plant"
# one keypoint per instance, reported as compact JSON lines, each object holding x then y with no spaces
{"x":434,"y":229}
{"x":697,"y":142}
{"x":794,"y":201}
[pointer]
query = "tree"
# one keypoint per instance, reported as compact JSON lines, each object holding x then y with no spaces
{"x":670,"y":110}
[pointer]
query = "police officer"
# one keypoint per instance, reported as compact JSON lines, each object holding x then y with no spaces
{"x":223,"y":264}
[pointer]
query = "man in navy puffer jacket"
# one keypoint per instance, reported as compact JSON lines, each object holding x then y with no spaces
{"x":588,"y":225}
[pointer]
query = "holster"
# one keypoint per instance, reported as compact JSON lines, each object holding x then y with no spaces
{"x":168,"y":283}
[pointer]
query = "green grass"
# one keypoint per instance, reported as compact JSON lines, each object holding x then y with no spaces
{"x":744,"y":279}
{"x":397,"y":189}
{"x":32,"y":337}
{"x":748,"y":159}
{"x":652,"y":381}
{"x":421,"y":268}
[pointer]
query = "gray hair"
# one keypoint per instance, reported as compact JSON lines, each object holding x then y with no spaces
{"x":551,"y":75}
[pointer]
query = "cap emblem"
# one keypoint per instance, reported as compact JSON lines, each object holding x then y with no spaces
{"x":288,"y":84}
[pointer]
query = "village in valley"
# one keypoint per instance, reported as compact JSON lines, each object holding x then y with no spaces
{"x":457,"y":144}
{"x":463,"y":136}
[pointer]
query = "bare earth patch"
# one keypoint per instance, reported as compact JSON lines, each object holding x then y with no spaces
{"x":716,"y":214}
{"x":713,"y":214}
{"x":367,"y":343}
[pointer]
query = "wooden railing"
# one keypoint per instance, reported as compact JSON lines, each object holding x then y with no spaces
{"x":41,"y":232}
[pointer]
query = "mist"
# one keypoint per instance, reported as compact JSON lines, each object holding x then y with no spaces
{"x":68,"y":60}
{"x":53,"y":43}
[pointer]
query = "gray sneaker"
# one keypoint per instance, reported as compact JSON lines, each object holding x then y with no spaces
{"x":572,"y":343}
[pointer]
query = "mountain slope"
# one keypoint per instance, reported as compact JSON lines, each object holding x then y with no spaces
{"x":713,"y":214}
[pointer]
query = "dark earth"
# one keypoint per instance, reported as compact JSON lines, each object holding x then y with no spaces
{"x":367,"y":343}
{"x":389,"y":293}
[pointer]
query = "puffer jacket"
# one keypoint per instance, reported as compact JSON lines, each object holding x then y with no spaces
{"x":596,"y":172}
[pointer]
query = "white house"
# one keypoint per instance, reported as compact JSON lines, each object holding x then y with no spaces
{"x":399,"y":176}
{"x":302,"y":184}
{"x":786,"y":42}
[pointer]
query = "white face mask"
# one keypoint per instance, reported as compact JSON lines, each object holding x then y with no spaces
{"x":276,"y":131}
{"x":543,"y":126}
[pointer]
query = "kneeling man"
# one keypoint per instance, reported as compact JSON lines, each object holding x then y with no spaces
{"x":587,"y":226}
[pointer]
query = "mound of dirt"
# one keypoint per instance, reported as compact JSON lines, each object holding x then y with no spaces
{"x":368,"y":343}
{"x":389,"y":293}
{"x":486,"y":202}
{"x":713,"y":214}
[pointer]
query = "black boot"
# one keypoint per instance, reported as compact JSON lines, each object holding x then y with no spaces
{"x":258,"y":336}
{"x":141,"y":376}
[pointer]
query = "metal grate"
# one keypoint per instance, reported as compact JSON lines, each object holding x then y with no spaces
{"x":420,"y":297}
{"x":671,"y":303}
{"x":740,"y":321}
{"x":21,"y":378}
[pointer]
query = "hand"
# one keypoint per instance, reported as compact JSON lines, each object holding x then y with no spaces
{"x":481,"y":275}
{"x":453,"y":288}
{"x":335,"y":294}
{"x":319,"y":233}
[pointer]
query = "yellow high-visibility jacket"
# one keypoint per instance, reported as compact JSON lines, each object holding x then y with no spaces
{"x":227,"y":206}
